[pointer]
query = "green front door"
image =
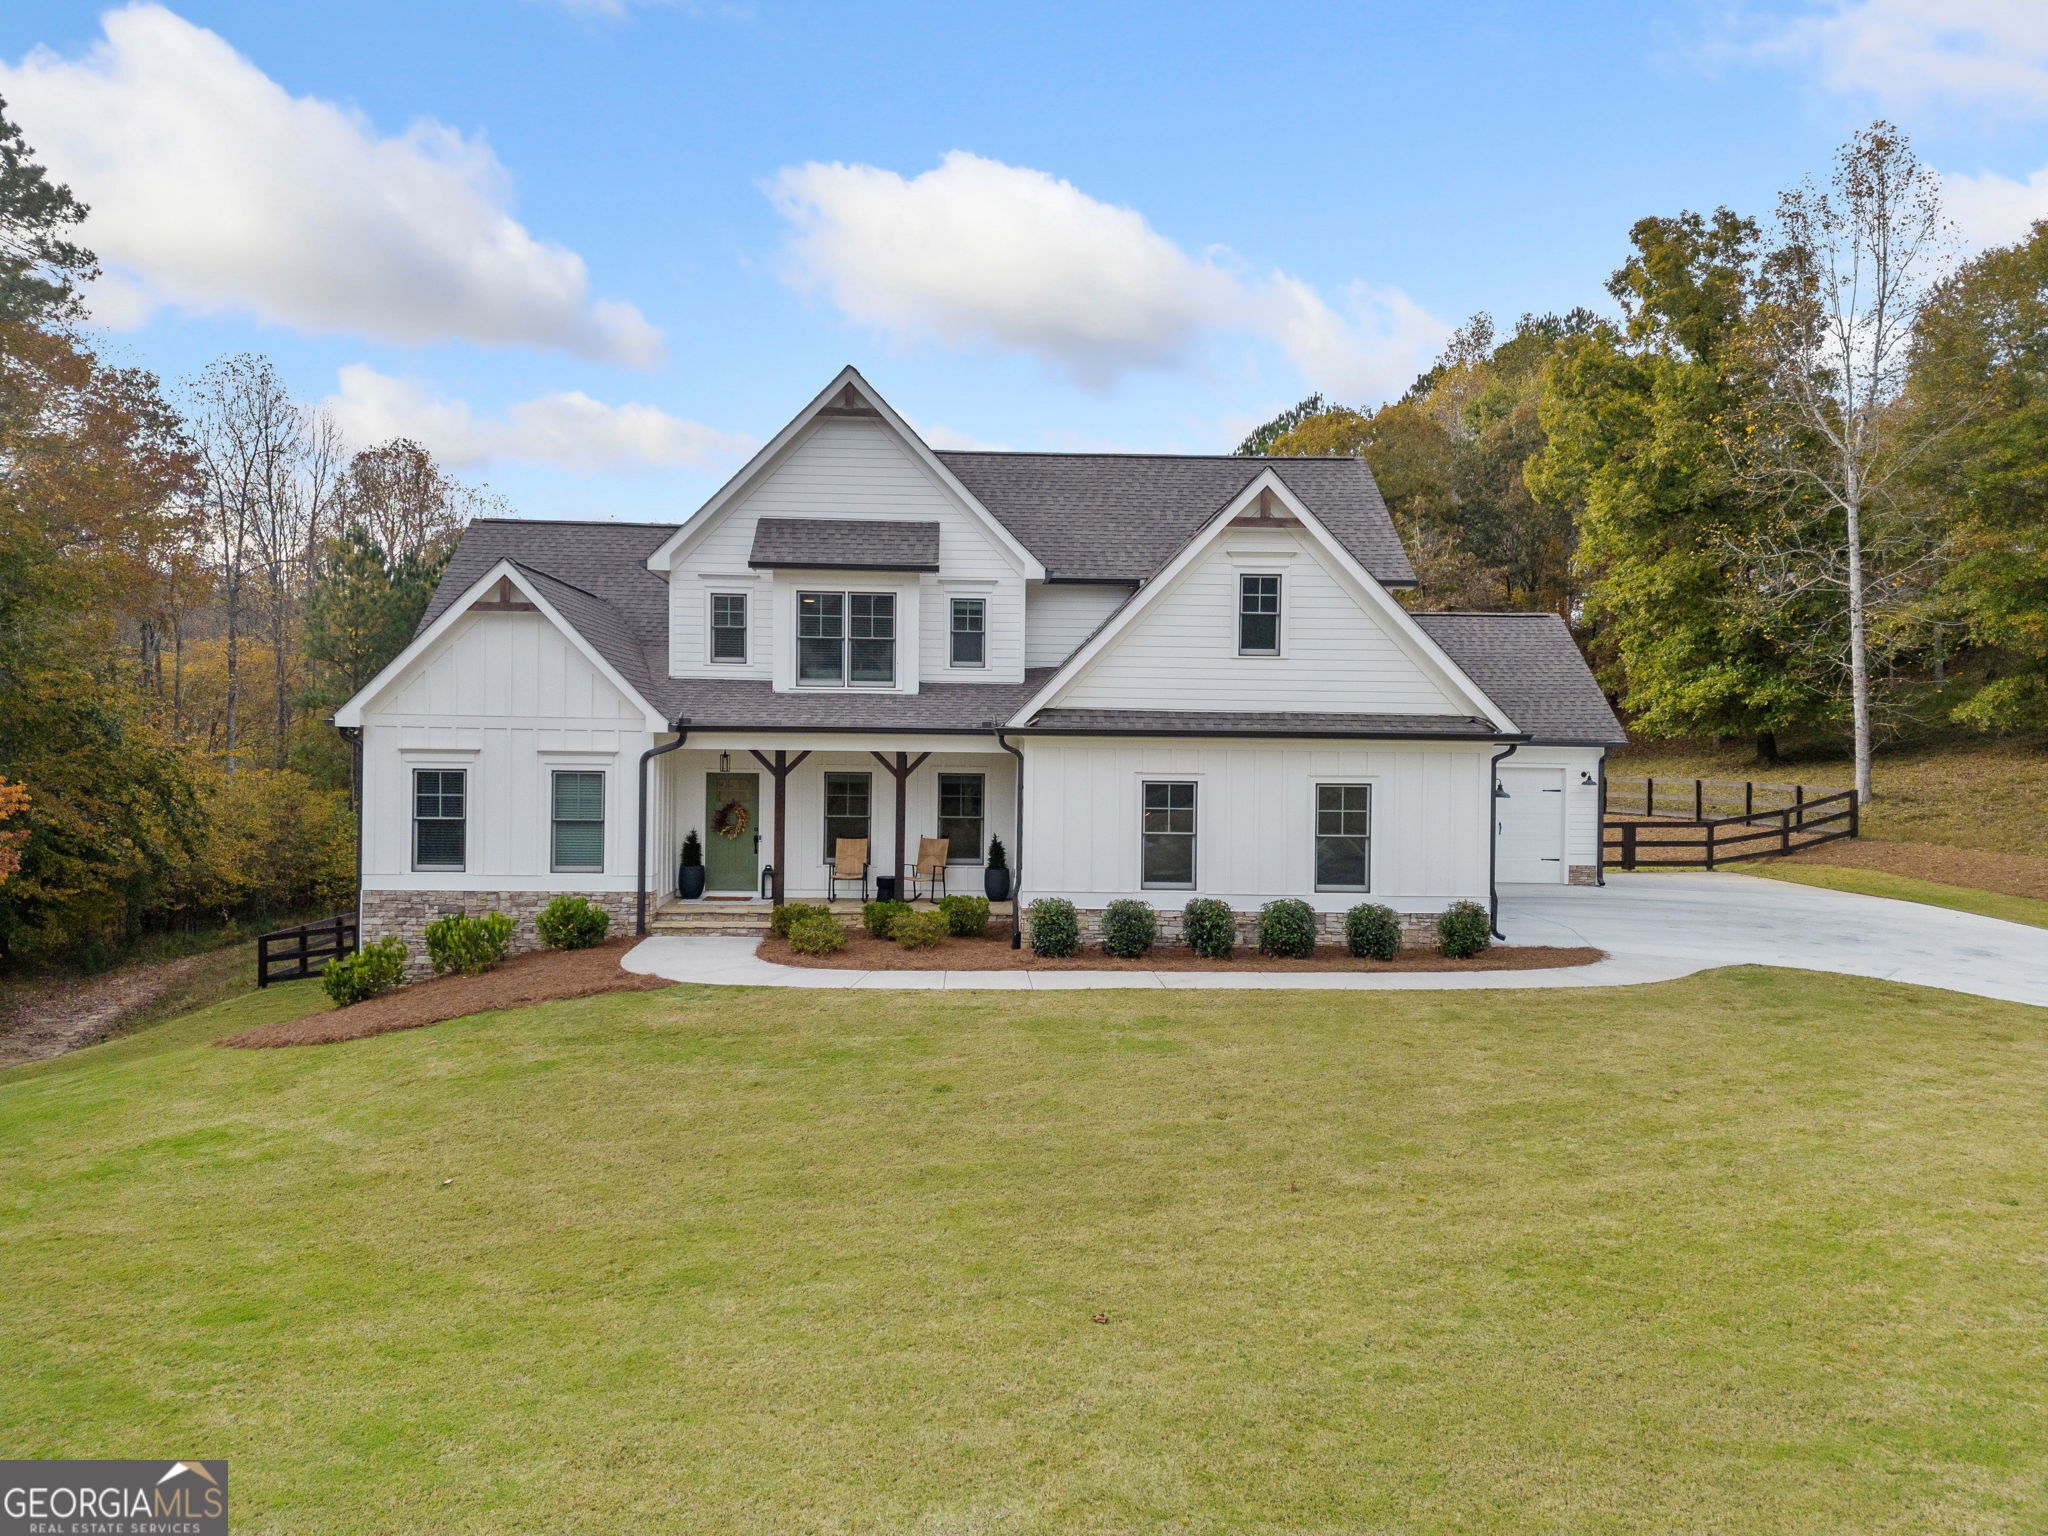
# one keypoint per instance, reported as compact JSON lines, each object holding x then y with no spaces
{"x":732,"y":827}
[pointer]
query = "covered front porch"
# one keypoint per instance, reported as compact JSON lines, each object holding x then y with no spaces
{"x":769,"y":808}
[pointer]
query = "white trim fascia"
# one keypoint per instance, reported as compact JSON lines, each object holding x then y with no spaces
{"x":663,"y":559}
{"x":351,"y":713}
{"x":1422,"y":650}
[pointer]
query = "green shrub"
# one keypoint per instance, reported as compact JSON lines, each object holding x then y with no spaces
{"x":997,"y":859}
{"x":1373,"y":932}
{"x":572,"y":922}
{"x":372,"y":969}
{"x":920,"y":930}
{"x":790,"y":913}
{"x":1055,"y":926}
{"x":1287,"y":928}
{"x":1463,"y":930}
{"x":468,"y":944}
{"x":966,"y":916}
{"x":879,"y":917}
{"x":817,"y":932}
{"x":1209,"y":928}
{"x":1129,"y":928}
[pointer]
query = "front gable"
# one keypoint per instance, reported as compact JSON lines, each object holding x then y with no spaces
{"x":1346,"y":648}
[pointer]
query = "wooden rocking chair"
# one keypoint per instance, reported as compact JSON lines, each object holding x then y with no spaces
{"x":849,"y":862}
{"x":930,"y":869}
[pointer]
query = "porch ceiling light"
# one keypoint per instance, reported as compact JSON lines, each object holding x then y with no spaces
{"x":725,"y":762}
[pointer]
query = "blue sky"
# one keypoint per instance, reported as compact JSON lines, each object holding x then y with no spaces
{"x":591,"y":252}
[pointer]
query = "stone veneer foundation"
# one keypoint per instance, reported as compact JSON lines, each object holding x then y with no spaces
{"x":405,"y":915}
{"x":1582,"y":874}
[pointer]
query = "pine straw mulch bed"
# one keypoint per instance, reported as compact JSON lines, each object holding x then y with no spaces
{"x":2009,"y":874}
{"x":994,"y":954}
{"x":544,"y":976}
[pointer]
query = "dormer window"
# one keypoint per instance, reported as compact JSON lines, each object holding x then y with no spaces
{"x":846,"y":639}
{"x":970,"y":632}
{"x":1258,"y":615}
{"x":729,"y":626}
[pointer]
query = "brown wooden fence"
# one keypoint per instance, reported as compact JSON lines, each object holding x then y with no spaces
{"x":305,"y":950}
{"x":1709,"y":822}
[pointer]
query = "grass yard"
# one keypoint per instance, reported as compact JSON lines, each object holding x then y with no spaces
{"x":1878,"y":882}
{"x":1754,"y":1252}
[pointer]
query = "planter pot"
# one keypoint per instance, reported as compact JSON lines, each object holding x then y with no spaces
{"x":690,"y":880}
{"x":995,"y":884}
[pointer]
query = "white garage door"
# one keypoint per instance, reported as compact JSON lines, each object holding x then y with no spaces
{"x":1529,"y":824}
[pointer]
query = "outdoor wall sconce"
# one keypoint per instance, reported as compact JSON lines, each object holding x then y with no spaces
{"x":1500,"y":791}
{"x":1585,"y":779}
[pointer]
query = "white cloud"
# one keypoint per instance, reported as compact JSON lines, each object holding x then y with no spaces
{"x":938,"y":435}
{"x":1981,"y":54}
{"x":978,"y":253}
{"x":1990,"y":209}
{"x":213,"y":190}
{"x":568,"y":431}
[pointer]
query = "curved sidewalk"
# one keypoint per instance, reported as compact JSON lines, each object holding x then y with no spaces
{"x":1653,"y":928}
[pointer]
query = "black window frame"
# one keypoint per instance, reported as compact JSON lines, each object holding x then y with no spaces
{"x":842,"y":780}
{"x":718,"y":630}
{"x":1323,"y":830}
{"x":851,"y":621}
{"x":556,"y":820}
{"x":977,"y":632}
{"x":440,"y":798}
{"x":958,"y":782}
{"x":1151,"y":830}
{"x":1261,"y":606}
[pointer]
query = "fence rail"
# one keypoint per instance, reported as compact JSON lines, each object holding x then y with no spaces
{"x":1709,"y":822}
{"x":305,"y":950}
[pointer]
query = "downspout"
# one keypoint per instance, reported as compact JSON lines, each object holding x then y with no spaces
{"x":1600,"y":841}
{"x":353,"y":735}
{"x":1016,"y":848}
{"x":681,"y":726}
{"x":1493,"y":841}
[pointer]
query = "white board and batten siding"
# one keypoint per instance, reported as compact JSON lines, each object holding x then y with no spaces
{"x":849,"y":467}
{"x":1255,"y":818}
{"x":1335,"y":656}
{"x":507,"y":698}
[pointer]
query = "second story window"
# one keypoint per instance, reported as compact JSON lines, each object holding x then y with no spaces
{"x":845,"y":639}
{"x":970,"y":632}
{"x":1258,"y":615}
{"x":728,"y":626}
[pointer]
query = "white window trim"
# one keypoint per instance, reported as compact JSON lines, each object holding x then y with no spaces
{"x":951,"y":661}
{"x":1279,"y":651}
{"x":798,"y":592}
{"x":711,"y":657}
{"x":1372,"y":816}
{"x":938,"y":801}
{"x":466,"y":766}
{"x":604,"y":822}
{"x":1159,"y":776}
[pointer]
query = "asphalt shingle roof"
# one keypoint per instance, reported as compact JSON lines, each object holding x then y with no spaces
{"x":1530,"y":666}
{"x":844,"y":544}
{"x":1121,"y":516}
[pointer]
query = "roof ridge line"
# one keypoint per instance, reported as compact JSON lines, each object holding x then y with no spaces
{"x":534,"y":570}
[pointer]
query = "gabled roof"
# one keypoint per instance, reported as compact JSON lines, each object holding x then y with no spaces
{"x":1530,"y":665}
{"x":1122,"y":516}
{"x":844,"y":544}
{"x":1189,"y":722}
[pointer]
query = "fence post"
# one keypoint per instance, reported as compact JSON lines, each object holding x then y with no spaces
{"x":263,"y":961}
{"x":1799,"y":802}
{"x":1628,"y":845}
{"x":1784,"y":831}
{"x":1748,"y":797}
{"x":1710,"y":845}
{"x":1649,"y":794}
{"x":1855,"y":814}
{"x":1699,"y":804}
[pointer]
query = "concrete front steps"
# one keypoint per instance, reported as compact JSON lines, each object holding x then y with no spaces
{"x":741,"y":919}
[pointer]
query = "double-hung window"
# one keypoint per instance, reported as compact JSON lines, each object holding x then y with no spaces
{"x":1258,"y":615}
{"x":970,"y":632}
{"x":1168,"y":842}
{"x":960,"y":816}
{"x":1343,"y":837}
{"x":846,"y":808}
{"x":578,"y":821}
{"x":846,"y":639}
{"x":729,"y":626}
{"x":440,"y":817}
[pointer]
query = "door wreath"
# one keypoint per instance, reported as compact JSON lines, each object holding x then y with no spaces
{"x":731,"y":820}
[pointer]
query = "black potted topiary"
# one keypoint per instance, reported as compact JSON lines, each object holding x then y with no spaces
{"x":690,"y":878}
{"x":995,"y":877}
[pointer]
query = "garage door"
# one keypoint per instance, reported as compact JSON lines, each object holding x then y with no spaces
{"x":1528,"y":814}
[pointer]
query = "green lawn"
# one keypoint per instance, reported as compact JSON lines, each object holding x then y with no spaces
{"x":1754,"y":1252}
{"x":1877,"y":882}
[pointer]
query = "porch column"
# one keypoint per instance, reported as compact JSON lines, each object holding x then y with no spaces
{"x":779,"y":770}
{"x":900,"y":771}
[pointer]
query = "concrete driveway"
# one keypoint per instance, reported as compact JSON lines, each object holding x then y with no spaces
{"x":1653,"y":928}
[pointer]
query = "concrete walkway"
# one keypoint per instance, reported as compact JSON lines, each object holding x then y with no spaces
{"x":1653,"y":928}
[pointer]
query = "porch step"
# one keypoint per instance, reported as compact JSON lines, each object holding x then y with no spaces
{"x":744,"y":922}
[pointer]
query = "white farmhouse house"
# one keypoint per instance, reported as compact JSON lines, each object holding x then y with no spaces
{"x":1154,"y":676}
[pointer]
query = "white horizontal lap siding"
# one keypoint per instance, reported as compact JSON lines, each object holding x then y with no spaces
{"x":1255,"y":819}
{"x":1581,"y":800}
{"x":851,"y":468}
{"x":508,"y":699}
{"x":1181,"y":652}
{"x":1058,"y":617}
